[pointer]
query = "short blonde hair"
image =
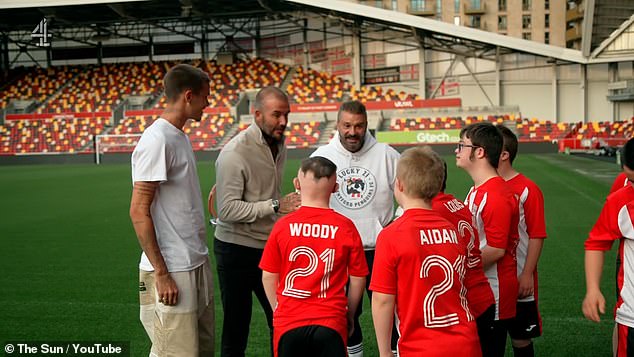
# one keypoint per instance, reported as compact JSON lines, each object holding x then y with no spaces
{"x":421,"y":171}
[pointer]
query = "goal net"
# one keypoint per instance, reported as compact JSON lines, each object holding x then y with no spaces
{"x":114,"y":143}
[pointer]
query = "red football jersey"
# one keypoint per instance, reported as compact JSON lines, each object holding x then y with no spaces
{"x":313,"y":250}
{"x":532,"y":224}
{"x":420,"y":259}
{"x":496,"y":216}
{"x":616,"y":222}
{"x":479,"y":294}
{"x":619,"y":182}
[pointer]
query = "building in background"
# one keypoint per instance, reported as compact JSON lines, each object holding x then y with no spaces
{"x":555,"y":22}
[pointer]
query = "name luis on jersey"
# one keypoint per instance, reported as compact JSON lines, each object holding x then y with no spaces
{"x":308,"y":230}
{"x":454,"y":205}
{"x":438,"y":236}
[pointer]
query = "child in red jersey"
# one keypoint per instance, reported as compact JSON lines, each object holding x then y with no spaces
{"x":527,"y":323}
{"x":419,"y":269}
{"x":307,"y":261}
{"x":619,"y":182}
{"x":616,"y":222}
{"x":496,"y":216}
{"x":479,"y":294}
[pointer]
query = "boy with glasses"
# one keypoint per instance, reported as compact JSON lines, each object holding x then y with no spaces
{"x":495,"y":215}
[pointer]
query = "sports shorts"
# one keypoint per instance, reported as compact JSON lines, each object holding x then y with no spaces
{"x":527,"y":323}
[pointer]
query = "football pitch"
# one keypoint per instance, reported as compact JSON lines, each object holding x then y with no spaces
{"x":69,"y":255}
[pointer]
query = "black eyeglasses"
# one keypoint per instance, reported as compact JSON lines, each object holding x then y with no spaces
{"x":460,"y":146}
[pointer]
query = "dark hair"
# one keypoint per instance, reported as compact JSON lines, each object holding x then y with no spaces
{"x":264,"y":93}
{"x":628,"y":154}
{"x":181,"y":78}
{"x":319,"y":166}
{"x":510,"y":141}
{"x":353,"y":107}
{"x":486,"y":136}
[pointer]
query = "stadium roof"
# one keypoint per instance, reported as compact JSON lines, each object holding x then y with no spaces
{"x":436,"y":34}
{"x":100,"y":15}
{"x":601,"y":19}
{"x":24,"y":15}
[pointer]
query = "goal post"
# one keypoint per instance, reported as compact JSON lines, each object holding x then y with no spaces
{"x":114,"y":143}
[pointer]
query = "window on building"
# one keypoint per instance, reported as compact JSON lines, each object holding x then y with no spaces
{"x":417,"y":4}
{"x":476,"y":22}
{"x":456,"y":6}
{"x":502,"y":5}
{"x":546,"y":37}
{"x":526,"y":5}
{"x":526,"y":21}
{"x":394,"y":4}
{"x":501,"y":23}
{"x":456,"y":20}
{"x":547,"y":21}
{"x":547,"y":4}
{"x":526,"y":35}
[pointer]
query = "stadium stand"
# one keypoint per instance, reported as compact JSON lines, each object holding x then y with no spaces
{"x":623,"y":129}
{"x":298,"y":134}
{"x":304,"y":134}
{"x":603,"y":129}
{"x":407,"y":124}
{"x":543,"y":130}
{"x":204,"y":135}
{"x":50,"y":135}
{"x":311,"y":86}
{"x":228,"y":81}
{"x":375,"y":93}
{"x":37,"y":83}
{"x":94,"y":88}
{"x":102,"y":88}
{"x":445,"y":122}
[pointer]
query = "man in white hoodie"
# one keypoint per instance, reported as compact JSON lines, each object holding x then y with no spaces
{"x":366,"y":171}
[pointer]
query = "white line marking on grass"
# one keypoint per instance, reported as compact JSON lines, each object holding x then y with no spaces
{"x":566,"y":184}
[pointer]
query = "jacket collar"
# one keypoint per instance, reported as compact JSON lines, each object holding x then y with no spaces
{"x":254,"y":132}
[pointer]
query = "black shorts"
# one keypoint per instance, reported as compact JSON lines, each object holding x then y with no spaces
{"x":527,"y":323}
{"x":492,"y":333}
{"x":312,"y":341}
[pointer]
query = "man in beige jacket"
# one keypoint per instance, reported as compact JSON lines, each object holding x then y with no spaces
{"x":249,"y":173}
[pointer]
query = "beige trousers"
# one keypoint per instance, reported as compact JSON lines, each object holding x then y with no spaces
{"x":187,"y":328}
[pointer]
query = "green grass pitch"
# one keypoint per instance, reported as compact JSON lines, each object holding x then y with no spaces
{"x":68,"y":258}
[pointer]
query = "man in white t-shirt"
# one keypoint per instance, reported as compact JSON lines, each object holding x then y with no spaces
{"x":175,"y":281}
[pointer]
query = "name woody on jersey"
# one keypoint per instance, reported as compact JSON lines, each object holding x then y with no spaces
{"x":438,"y":236}
{"x":307,"y":230}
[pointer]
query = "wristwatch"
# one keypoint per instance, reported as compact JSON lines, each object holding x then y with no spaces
{"x":276,"y":205}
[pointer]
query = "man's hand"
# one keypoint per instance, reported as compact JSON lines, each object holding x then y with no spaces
{"x":593,"y":304}
{"x":290,"y":203}
{"x":526,"y":285}
{"x":166,"y":289}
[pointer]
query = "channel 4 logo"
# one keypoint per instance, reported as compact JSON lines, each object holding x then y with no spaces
{"x":41,"y":34}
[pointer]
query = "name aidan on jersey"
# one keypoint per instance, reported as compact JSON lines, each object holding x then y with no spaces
{"x":438,"y":236}
{"x":308,"y":230}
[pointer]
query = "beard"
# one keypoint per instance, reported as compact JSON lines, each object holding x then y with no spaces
{"x":271,"y":139}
